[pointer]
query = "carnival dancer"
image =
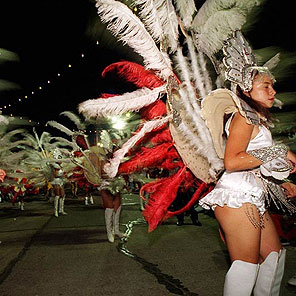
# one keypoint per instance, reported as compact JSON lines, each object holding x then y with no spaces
{"x":58,"y":183}
{"x":186,"y":85}
{"x":19,"y":190}
{"x":254,"y":165}
{"x":88,"y":195}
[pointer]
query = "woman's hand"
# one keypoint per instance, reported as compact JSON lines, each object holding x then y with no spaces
{"x":289,"y":189}
{"x":292,"y":157}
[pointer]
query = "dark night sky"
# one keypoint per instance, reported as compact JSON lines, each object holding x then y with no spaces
{"x":50,"y":34}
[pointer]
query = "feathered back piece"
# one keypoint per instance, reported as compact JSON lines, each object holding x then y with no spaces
{"x":175,"y":71}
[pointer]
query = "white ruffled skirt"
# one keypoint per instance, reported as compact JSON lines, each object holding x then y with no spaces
{"x":233,"y":189}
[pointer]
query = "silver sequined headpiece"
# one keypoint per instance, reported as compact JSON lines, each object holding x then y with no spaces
{"x":240,"y":62}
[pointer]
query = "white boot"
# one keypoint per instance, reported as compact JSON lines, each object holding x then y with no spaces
{"x":61,"y":209}
{"x":279,"y":273}
{"x":21,"y":205}
{"x":56,"y":205}
{"x":109,"y":222}
{"x":116,"y":224}
{"x":240,"y":278}
{"x":270,"y":274}
{"x":86,"y":200}
{"x":91,"y":200}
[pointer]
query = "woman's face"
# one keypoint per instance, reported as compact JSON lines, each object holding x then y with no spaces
{"x":262,"y":91}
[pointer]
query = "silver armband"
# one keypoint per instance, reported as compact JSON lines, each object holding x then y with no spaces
{"x":269,"y":153}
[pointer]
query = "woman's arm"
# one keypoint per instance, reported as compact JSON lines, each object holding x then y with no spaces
{"x":236,"y":158}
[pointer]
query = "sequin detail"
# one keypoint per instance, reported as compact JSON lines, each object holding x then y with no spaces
{"x":266,"y":154}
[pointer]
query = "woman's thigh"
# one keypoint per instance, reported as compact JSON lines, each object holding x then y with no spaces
{"x":62,"y":191}
{"x":107,"y":198}
{"x":57,"y":190}
{"x":242,"y":237}
{"x":269,"y":238}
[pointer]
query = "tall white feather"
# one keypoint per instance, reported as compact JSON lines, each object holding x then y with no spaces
{"x":217,"y":19}
{"x":186,"y":9}
{"x":111,"y":167}
{"x":197,"y":123}
{"x":130,"y":30}
{"x":203,"y":142}
{"x":120,"y":104}
{"x":169,"y":20}
{"x":185,"y":75}
{"x":149,"y":15}
{"x":205,"y":73}
{"x":198,"y":78}
{"x":160,"y":19}
{"x":189,"y":95}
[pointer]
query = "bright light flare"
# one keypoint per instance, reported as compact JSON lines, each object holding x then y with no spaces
{"x":118,"y":123}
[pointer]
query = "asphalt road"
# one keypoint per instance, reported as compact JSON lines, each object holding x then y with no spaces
{"x":42,"y":255}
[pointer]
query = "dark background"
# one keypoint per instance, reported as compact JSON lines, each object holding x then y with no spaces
{"x":48,"y":35}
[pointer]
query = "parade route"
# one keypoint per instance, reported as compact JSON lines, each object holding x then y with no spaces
{"x":41,"y":255}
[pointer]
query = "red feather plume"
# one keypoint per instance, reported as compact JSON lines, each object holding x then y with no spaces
{"x":162,"y":193}
{"x":201,"y":191}
{"x":148,"y":157}
{"x":154,"y":110}
{"x":132,"y":73}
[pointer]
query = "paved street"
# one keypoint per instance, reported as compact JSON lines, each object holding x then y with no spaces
{"x":42,"y":255}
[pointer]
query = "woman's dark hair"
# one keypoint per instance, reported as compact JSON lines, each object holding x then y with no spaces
{"x":255,"y":105}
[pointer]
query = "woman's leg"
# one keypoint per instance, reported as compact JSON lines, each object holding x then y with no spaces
{"x":243,"y":243}
{"x":272,"y":259}
{"x":56,"y":200}
{"x":62,"y":200}
{"x":117,"y":211}
{"x":270,"y":240}
{"x":242,"y":237}
{"x":107,"y":199}
{"x":109,"y":211}
{"x":116,"y":201}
